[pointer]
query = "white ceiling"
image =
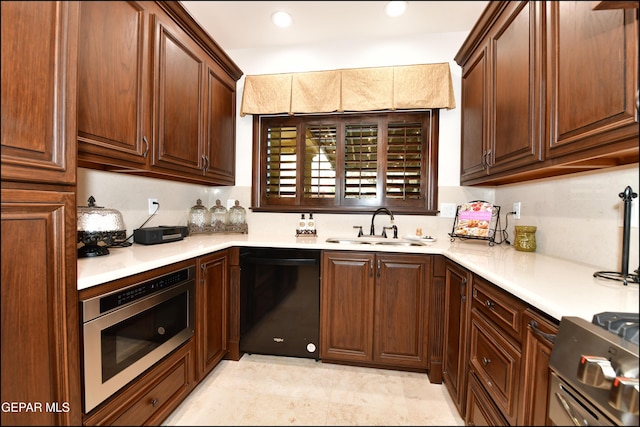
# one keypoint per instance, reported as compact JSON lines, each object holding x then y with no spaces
{"x":247,"y":24}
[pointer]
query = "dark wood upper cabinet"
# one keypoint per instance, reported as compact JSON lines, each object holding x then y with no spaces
{"x":548,"y":88}
{"x":220,"y":132}
{"x":592,"y":62}
{"x":179,"y":76}
{"x":39,"y":51}
{"x":114,"y":93}
{"x":157,"y":96}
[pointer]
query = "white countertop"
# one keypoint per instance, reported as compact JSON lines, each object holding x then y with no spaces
{"x":555,"y":286}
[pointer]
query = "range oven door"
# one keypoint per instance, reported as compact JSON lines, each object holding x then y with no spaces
{"x":568,"y":408}
{"x":122,"y":344}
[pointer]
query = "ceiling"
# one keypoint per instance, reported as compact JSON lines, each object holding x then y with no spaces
{"x":247,"y":24}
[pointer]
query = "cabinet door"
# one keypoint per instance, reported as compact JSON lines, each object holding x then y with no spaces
{"x":592,"y":80}
{"x":220,"y":157}
{"x":114,"y":111}
{"x":40,"y":325}
{"x":213,"y":310}
{"x":474,"y":117}
{"x":515,"y":116}
{"x":454,"y":368}
{"x":179,"y":107}
{"x":401,"y":309}
{"x":346,"y":306}
{"x":39,"y":64}
{"x":536,"y":351}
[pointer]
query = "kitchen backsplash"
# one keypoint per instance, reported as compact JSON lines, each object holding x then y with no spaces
{"x":579,"y":217}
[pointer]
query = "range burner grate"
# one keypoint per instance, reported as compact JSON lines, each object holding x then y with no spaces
{"x":625,"y":325}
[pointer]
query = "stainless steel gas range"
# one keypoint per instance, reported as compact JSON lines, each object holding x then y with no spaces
{"x":594,"y":371}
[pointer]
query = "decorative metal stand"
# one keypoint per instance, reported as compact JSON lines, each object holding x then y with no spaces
{"x":623,"y":275}
{"x":476,"y":220}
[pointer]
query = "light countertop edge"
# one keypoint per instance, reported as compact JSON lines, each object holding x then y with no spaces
{"x":554,"y":286}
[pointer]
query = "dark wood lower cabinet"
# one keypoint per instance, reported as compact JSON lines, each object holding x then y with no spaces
{"x":536,"y":351}
{"x":496,"y":354}
{"x":480,"y":409}
{"x":212,"y":312}
{"x":153,"y":396}
{"x":374,"y":308}
{"x":456,"y":303}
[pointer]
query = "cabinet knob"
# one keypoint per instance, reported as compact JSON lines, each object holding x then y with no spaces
{"x":485,"y":361}
{"x":490,"y":304}
{"x":154,"y":402}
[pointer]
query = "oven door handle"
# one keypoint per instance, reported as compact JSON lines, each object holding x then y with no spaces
{"x":569,"y":410}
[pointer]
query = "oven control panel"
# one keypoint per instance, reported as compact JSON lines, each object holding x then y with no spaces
{"x":97,"y":306}
{"x":135,"y":292}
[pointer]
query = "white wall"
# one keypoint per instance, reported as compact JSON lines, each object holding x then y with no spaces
{"x":578,"y":218}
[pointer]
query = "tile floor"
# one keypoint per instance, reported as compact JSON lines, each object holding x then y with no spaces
{"x":275,"y":390}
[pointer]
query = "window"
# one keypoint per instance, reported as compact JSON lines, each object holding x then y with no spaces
{"x":346,"y":162}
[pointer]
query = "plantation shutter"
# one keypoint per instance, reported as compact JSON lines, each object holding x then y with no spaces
{"x":281,"y":161}
{"x":404,"y":161}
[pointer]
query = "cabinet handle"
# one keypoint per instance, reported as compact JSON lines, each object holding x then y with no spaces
{"x":485,"y":361}
{"x":534,"y":327}
{"x":205,"y":164}
{"x":490,"y":304}
{"x":146,"y":147}
{"x":154,"y":402}
{"x":370,"y":268}
{"x":483,"y":160}
{"x":378,"y":268}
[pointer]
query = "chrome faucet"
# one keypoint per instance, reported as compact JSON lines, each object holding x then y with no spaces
{"x":372,"y":232}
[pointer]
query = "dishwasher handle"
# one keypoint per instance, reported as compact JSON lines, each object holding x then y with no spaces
{"x":281,"y":261}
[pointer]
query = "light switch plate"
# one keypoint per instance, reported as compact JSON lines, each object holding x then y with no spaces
{"x":448,"y":210}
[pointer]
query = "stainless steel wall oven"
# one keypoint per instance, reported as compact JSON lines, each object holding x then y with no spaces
{"x":127,"y":331}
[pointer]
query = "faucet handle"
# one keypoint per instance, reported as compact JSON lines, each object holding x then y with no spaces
{"x":360,"y":233}
{"x":395,"y":231}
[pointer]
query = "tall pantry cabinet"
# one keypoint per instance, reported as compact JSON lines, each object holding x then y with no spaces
{"x":40,"y":334}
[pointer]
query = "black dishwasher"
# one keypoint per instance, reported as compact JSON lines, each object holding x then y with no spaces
{"x":280,"y":301}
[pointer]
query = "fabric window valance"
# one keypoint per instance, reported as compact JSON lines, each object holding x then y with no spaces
{"x":356,"y":89}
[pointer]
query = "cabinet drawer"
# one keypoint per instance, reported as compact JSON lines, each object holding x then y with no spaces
{"x":502,"y":308}
{"x":496,"y":362}
{"x":153,"y":396}
{"x":480,"y":409}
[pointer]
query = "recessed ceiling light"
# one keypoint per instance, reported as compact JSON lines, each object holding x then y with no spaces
{"x":395,"y":8}
{"x":281,"y":19}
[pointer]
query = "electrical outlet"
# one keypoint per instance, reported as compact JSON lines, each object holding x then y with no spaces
{"x":448,"y":210}
{"x":516,"y":209}
{"x":153,"y":205}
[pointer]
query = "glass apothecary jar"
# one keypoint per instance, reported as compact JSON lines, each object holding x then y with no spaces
{"x":525,"y":240}
{"x":199,"y":218}
{"x":219,"y":218}
{"x":237,"y":219}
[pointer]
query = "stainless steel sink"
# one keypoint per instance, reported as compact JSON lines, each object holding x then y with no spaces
{"x":373,"y":241}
